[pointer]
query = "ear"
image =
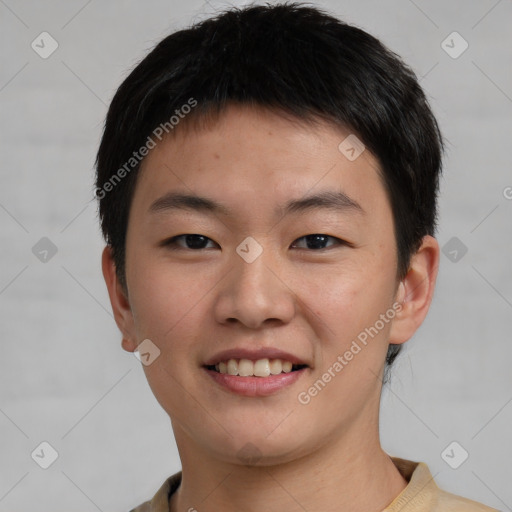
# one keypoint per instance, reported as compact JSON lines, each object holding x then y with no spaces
{"x":415,"y":292}
{"x":120,"y":305}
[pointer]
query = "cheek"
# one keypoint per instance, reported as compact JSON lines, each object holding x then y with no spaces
{"x":161,"y":295}
{"x":351,"y":298}
{"x":166,"y":309}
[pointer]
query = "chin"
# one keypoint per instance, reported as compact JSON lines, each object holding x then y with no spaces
{"x":257,"y":450}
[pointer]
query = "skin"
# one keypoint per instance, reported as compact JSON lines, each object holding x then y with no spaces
{"x":192,"y":303}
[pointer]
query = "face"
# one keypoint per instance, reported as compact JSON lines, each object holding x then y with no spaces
{"x":262,"y":281}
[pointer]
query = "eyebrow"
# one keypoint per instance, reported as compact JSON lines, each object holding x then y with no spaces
{"x":327,"y":200}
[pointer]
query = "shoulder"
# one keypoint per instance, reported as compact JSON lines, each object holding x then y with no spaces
{"x":144,"y":507}
{"x":423,"y":495}
{"x":160,"y":501}
{"x":448,"y":502}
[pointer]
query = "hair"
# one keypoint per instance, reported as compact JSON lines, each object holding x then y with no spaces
{"x":300,"y":62}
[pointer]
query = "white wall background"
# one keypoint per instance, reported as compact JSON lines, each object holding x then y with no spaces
{"x":64,"y":378}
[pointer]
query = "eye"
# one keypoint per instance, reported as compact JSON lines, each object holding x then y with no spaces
{"x":317,"y":241}
{"x":197,"y":242}
{"x":192,"y":241}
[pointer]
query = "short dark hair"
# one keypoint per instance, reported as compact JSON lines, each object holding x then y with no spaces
{"x":296,"y":60}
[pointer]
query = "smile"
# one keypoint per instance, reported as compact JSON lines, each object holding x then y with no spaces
{"x":259,"y":368}
{"x":259,"y":378}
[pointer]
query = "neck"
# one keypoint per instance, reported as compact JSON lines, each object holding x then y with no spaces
{"x":349,"y":472}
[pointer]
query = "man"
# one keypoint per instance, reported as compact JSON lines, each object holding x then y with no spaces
{"x":267,"y":183}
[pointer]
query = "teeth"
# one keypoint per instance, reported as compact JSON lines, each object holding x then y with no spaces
{"x":262,"y":368}
{"x":259,"y":368}
{"x":287,"y":366}
{"x":276,"y":366}
{"x":245,"y":368}
{"x":232,"y":367}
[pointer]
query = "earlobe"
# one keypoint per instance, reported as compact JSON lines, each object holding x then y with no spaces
{"x":120,"y":305}
{"x":128,"y":345}
{"x":415,"y":292}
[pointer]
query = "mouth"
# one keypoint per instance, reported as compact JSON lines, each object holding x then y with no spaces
{"x":262,"y":368}
{"x":255,"y":372}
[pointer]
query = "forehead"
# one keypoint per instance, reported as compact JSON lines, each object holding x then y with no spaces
{"x":251,"y":159}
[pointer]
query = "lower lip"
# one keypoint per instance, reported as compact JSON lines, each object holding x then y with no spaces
{"x":255,"y":386}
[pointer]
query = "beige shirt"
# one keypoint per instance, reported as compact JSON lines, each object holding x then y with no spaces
{"x":420,"y":495}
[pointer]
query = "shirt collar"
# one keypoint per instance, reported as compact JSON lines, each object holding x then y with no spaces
{"x":420,"y":491}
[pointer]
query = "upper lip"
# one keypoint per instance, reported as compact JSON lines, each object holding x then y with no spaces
{"x":254,"y":355}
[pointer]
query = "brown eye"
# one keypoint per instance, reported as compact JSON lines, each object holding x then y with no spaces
{"x":318,"y":241}
{"x":191,"y":241}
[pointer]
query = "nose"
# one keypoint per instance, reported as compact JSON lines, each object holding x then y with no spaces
{"x":255,"y":294}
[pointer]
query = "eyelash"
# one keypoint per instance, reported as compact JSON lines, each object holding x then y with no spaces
{"x":172,"y":242}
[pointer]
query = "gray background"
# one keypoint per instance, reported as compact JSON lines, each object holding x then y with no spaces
{"x":64,"y":378}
